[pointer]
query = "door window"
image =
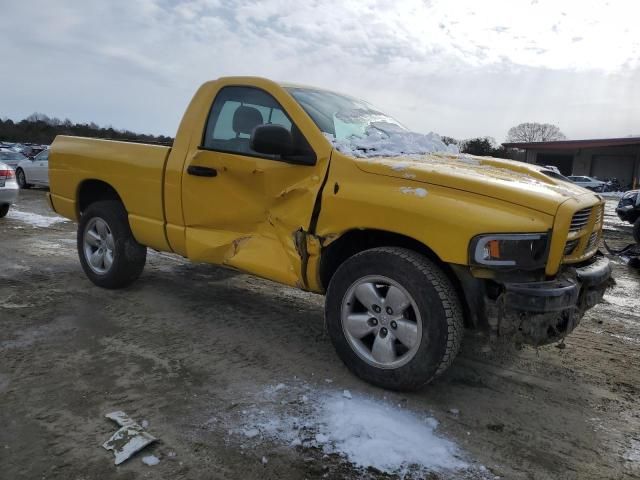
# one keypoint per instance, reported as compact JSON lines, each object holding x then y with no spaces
{"x":235,"y":113}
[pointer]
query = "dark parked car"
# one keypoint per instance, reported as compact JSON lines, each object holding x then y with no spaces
{"x":629,"y":211}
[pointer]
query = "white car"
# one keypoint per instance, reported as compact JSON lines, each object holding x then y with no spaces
{"x":588,"y":182}
{"x":34,"y":171}
{"x":8,"y":188}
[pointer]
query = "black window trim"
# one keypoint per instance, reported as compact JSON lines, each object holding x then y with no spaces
{"x":265,"y":157}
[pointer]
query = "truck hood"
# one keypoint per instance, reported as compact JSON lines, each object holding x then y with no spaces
{"x":514,"y":182}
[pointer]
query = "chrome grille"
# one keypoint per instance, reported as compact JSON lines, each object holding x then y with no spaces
{"x":592,"y":243}
{"x":570,"y":247}
{"x":599,"y":213}
{"x":580,"y":219}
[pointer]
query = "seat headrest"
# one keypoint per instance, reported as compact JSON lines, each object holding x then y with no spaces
{"x":245,"y":119}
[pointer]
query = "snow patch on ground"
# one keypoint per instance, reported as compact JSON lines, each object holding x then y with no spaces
{"x":349,"y":427}
{"x":376,"y":434}
{"x":37,"y":221}
{"x":418,"y":192}
{"x":633,"y":453}
{"x":382,"y":139}
{"x":611,"y":194}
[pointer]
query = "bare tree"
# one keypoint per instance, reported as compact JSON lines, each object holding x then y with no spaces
{"x":449,"y":140}
{"x":534,"y":132}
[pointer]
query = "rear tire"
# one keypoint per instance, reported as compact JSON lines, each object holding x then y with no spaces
{"x":418,"y":339}
{"x":109,"y":254}
{"x":636,"y":230}
{"x":22,"y":179}
{"x":4,"y":209}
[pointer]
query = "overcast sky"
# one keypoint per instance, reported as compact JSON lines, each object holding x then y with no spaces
{"x":462,"y":68}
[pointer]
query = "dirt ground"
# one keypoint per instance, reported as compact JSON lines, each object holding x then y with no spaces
{"x":192,"y":349}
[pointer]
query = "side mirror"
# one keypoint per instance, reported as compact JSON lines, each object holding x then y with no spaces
{"x":271,"y":139}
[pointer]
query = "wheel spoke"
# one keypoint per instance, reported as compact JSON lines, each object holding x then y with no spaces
{"x":108,"y":259}
{"x":97,"y":259}
{"x":368,"y":295}
{"x":397,"y":300}
{"x":383,"y":350}
{"x":101,"y":228}
{"x":406,"y":332}
{"x":358,"y":324}
{"x":92,"y":238}
{"x":110,"y":242}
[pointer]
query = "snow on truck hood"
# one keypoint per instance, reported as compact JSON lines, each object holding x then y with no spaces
{"x":385,"y":150}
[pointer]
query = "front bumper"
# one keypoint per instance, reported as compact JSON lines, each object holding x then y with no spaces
{"x":537,"y":313}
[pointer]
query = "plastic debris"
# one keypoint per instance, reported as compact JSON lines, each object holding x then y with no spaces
{"x":129,"y":439}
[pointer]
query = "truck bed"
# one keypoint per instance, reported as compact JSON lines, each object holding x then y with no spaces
{"x":134,"y":170}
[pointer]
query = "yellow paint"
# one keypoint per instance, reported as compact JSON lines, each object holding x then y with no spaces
{"x":256,"y":214}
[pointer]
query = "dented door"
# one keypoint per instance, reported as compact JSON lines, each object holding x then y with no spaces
{"x":242,"y":209}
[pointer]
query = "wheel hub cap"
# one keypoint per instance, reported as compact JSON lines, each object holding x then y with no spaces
{"x":381,"y":322}
{"x":98,"y":246}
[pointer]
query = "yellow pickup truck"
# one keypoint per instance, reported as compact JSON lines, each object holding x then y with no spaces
{"x":409,"y":241}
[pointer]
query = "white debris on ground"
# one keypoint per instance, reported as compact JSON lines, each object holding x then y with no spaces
{"x":33,"y":219}
{"x":382,"y":139}
{"x":363,"y":431}
{"x":129,"y":439}
{"x":251,"y":432}
{"x":150,"y":460}
{"x":418,"y":192}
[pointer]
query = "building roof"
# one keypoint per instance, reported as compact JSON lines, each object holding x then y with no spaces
{"x":575,"y":144}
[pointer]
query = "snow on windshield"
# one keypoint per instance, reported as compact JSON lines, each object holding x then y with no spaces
{"x":383,"y":139}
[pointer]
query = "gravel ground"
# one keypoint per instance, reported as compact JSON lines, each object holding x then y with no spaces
{"x":196,"y":351}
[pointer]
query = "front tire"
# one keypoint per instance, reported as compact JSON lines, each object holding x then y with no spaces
{"x":4,"y":209}
{"x":394,"y":318}
{"x":110,"y":255}
{"x":636,"y":230}
{"x":22,"y":179}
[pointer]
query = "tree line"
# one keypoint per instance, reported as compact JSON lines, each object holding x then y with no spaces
{"x":41,"y":129}
{"x":524,"y":132}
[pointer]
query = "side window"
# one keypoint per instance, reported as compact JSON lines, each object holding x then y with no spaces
{"x":236,"y":111}
{"x":44,"y":157}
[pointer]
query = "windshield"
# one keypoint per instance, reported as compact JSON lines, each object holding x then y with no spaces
{"x":557,"y":176}
{"x":340,"y":115}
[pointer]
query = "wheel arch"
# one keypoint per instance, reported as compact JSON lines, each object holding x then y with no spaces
{"x":20,"y":169}
{"x":94,"y":190}
{"x":355,"y":241}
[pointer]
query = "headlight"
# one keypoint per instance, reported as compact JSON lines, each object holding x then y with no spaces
{"x":527,"y":251}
